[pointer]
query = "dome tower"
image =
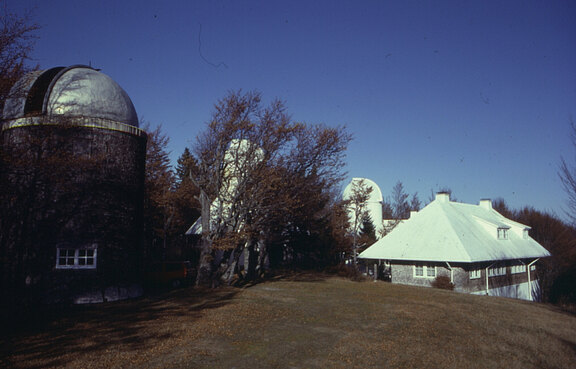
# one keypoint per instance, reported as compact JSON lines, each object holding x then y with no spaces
{"x":73,"y":162}
{"x":373,"y":204}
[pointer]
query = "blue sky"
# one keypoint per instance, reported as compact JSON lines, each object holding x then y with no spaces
{"x":472,"y":95}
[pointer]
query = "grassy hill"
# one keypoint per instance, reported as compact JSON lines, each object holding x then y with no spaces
{"x":300,"y":322}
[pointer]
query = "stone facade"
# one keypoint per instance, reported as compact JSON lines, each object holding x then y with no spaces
{"x":82,"y":188}
{"x":72,"y":164}
{"x":403,"y":272}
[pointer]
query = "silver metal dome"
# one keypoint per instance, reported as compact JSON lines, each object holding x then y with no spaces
{"x":77,"y":91}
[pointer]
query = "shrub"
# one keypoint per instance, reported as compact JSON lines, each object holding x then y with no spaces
{"x":347,"y":271}
{"x":443,"y":282}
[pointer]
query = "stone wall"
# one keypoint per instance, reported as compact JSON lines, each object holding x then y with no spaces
{"x":403,"y":273}
{"x":71,"y":187}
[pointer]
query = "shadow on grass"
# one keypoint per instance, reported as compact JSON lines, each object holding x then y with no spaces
{"x":311,"y":276}
{"x":52,"y":336}
{"x":287,"y":275}
{"x":570,"y":344}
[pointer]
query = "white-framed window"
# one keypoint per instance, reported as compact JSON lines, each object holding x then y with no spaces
{"x":419,"y":270}
{"x":70,"y":258}
{"x":424,"y":271}
{"x":519,"y":268}
{"x":532,"y":267}
{"x":496,"y":271}
{"x":502,"y":233}
{"x":525,"y":233}
{"x":475,"y":273}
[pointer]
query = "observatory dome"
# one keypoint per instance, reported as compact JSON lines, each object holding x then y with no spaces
{"x":373,"y":204}
{"x":375,"y":195}
{"x":77,"y":92}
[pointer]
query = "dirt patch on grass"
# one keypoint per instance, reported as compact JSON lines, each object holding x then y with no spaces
{"x":300,"y":322}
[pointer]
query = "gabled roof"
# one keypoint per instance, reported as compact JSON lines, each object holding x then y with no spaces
{"x":456,"y":232}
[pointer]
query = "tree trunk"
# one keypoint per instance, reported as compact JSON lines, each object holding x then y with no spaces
{"x":262,"y":258}
{"x":251,"y":268}
{"x":232,"y":269}
{"x":204,"y":277}
{"x":223,"y":265}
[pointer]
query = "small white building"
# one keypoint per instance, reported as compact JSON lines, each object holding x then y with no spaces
{"x":481,"y":251}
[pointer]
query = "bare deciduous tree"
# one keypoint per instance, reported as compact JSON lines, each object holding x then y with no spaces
{"x":357,"y":204}
{"x":415,"y":203}
{"x":443,"y":189}
{"x":16,"y":44}
{"x":258,"y":174}
{"x":567,"y":174}
{"x":397,"y":207}
{"x":555,"y":273}
{"x":400,"y":201}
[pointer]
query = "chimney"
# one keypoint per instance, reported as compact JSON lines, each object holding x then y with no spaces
{"x":485,"y":204}
{"x":443,"y":197}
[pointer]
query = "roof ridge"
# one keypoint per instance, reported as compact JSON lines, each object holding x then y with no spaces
{"x":503,"y":219}
{"x":454,"y":206}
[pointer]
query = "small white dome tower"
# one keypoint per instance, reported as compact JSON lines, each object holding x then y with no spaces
{"x":373,"y":205}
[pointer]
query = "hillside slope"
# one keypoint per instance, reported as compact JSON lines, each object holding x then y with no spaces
{"x":307,"y":322}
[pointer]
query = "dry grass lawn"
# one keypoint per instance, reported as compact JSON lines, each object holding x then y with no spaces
{"x":305,"y":321}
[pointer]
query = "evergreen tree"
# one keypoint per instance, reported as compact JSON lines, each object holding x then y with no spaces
{"x":367,"y":232}
{"x":170,"y":204}
{"x":185,"y":200}
{"x":185,"y":166}
{"x":158,"y":184}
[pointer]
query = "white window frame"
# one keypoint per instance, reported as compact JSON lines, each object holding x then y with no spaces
{"x":497,"y":270}
{"x":78,"y":256}
{"x":518,"y":268}
{"x":419,"y":271}
{"x":427,"y":271}
{"x":502,"y":233}
{"x":475,"y":273}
